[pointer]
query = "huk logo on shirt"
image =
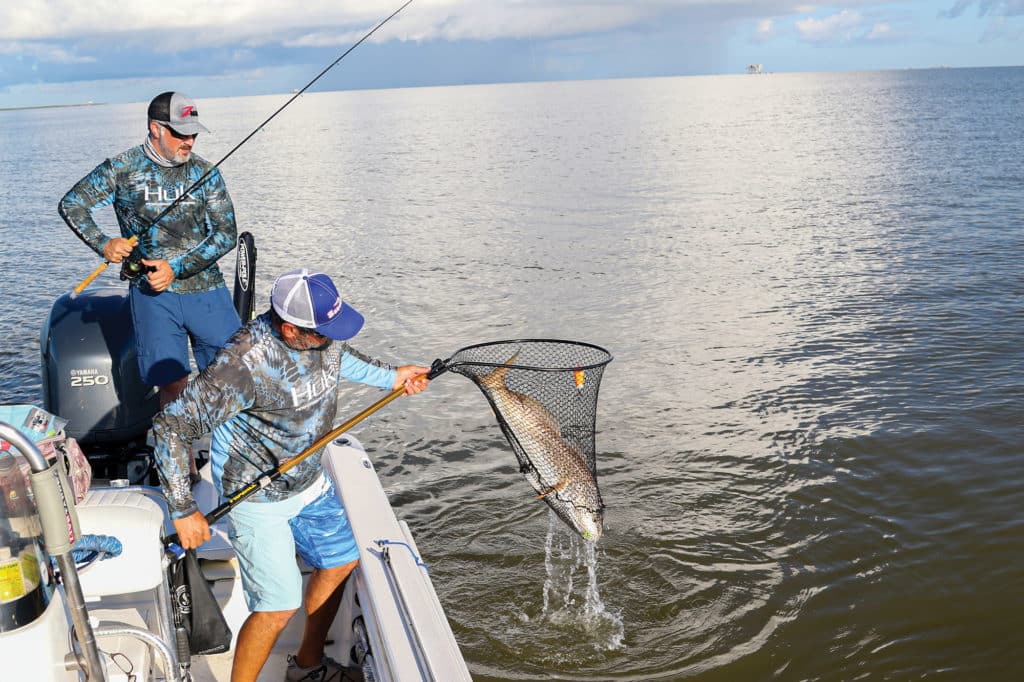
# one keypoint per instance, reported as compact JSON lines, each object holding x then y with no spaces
{"x":160,"y":196}
{"x":312,"y":390}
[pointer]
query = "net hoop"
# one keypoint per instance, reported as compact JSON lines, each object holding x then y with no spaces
{"x":448,"y":364}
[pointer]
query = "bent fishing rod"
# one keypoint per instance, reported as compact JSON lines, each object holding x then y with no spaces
{"x":133,"y":240}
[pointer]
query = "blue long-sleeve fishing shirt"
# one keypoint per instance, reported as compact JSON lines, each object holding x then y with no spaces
{"x":265,"y":403}
{"x":191,"y":238}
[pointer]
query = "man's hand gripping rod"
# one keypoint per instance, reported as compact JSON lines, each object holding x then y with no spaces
{"x":132,"y":241}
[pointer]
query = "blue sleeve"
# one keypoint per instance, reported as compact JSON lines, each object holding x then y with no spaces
{"x":91,"y":192}
{"x":358,"y":367}
{"x":212,"y":397}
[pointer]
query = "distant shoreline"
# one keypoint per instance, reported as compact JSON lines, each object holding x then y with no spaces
{"x":202,"y":94}
{"x":53,"y":106}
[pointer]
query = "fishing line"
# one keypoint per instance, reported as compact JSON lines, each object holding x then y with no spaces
{"x":206,"y":175}
{"x":282,"y":107}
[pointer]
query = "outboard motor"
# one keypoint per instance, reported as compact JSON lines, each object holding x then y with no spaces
{"x":90,"y":369}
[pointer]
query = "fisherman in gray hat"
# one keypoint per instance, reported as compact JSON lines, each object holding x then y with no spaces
{"x":177,"y":290}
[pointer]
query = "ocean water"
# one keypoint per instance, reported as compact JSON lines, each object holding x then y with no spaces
{"x":809,"y":439}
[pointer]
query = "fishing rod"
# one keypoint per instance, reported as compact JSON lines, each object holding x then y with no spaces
{"x":134,"y":239}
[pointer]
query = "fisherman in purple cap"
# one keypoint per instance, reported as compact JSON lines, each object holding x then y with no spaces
{"x":269,"y":394}
{"x":181,"y":294}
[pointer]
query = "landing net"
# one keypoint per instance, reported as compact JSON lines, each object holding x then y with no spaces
{"x":544,"y":395}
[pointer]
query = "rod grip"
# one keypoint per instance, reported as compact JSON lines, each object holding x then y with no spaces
{"x":133,"y":240}
{"x":181,"y":645}
{"x":88,"y":280}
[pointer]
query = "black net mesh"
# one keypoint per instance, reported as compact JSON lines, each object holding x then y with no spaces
{"x":544,"y":395}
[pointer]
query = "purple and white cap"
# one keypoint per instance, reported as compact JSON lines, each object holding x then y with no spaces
{"x":309,"y":299}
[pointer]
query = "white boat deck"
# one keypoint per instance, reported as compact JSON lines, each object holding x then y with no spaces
{"x":391,"y":594}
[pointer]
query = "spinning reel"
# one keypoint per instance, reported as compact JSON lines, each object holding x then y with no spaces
{"x":132,"y":267}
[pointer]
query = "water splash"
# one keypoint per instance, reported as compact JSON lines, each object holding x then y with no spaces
{"x":573,"y":604}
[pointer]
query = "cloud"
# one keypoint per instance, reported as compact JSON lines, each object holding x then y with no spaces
{"x":957,"y":9}
{"x":454,"y":41}
{"x":57,"y":19}
{"x":261,"y":22}
{"x":765,"y":29}
{"x":513,"y":22}
{"x":841,"y":27}
{"x":997,"y":8}
{"x":135,"y":37}
{"x":43,"y":52}
{"x":1002,"y":30}
{"x":190,"y":24}
{"x":880,"y":32}
{"x":100,"y":28}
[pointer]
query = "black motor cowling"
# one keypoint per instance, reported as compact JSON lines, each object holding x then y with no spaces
{"x":90,"y":368}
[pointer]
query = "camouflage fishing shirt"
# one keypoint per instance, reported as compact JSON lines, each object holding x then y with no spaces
{"x":198,"y":231}
{"x":265,"y":403}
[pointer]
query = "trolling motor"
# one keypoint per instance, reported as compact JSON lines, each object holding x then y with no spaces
{"x":132,"y":267}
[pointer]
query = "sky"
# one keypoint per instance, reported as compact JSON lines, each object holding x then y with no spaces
{"x":68,"y":51}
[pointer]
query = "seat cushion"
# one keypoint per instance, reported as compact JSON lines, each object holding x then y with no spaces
{"x":136,"y":521}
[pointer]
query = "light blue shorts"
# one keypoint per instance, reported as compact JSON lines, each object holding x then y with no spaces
{"x":165,"y":323}
{"x":267,"y":535}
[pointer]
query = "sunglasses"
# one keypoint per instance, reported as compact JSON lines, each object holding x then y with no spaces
{"x":175,"y":134}
{"x":314,"y":334}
